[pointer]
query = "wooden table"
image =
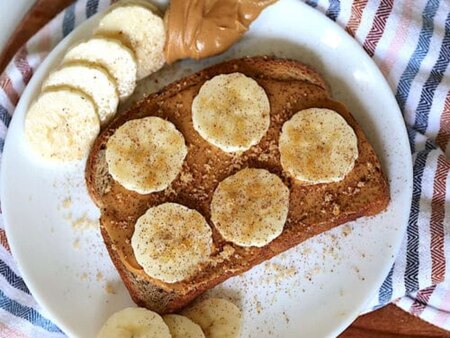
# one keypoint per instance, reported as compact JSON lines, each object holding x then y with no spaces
{"x":389,"y":321}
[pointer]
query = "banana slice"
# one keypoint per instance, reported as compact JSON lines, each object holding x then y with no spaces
{"x":111,"y":54}
{"x":142,"y":3}
{"x":93,"y":81}
{"x":61,"y":125}
{"x":170,"y":241}
{"x":145,"y":155}
{"x":134,"y":322}
{"x":183,"y":327}
{"x":218,"y":317}
{"x":139,"y":29}
{"x":250,"y":207}
{"x":318,"y":146}
{"x":231,"y":111}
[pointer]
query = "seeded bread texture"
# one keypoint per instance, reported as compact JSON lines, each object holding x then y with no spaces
{"x":313,"y":209}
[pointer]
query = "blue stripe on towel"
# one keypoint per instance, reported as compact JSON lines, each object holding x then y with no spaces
{"x":423,"y":45}
{"x":433,"y":81}
{"x":26,"y":313}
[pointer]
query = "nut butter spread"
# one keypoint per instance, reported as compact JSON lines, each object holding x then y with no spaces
{"x":206,"y":165}
{"x":201,"y":28}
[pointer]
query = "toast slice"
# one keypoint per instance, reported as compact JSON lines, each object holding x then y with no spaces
{"x":313,"y":209}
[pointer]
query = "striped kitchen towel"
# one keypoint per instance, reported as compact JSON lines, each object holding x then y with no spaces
{"x":410,"y":42}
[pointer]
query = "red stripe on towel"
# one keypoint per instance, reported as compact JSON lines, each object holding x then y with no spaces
{"x":437,"y":220}
{"x":378,"y":25}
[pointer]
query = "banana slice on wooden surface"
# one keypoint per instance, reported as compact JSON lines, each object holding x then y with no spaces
{"x":218,"y":318}
{"x":170,"y":241}
{"x":318,"y":146}
{"x":92,"y":80}
{"x":183,"y":327}
{"x":61,"y":125}
{"x":250,"y":207}
{"x":111,"y":54}
{"x":231,"y":111}
{"x":134,"y":322}
{"x":140,"y":29}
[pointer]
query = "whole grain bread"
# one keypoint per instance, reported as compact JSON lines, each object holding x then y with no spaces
{"x":313,"y":209}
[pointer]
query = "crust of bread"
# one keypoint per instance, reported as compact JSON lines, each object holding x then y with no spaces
{"x":291,"y":86}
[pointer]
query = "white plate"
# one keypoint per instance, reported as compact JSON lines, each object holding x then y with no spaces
{"x":313,"y":290}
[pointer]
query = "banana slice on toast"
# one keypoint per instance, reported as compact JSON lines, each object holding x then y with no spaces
{"x":250,"y":207}
{"x":318,"y":146}
{"x":145,"y":155}
{"x":231,"y":111}
{"x":170,"y":241}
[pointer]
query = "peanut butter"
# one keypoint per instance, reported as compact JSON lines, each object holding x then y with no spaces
{"x":201,"y":28}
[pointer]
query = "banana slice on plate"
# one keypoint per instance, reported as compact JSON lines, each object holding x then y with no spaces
{"x":134,"y":323}
{"x":219,"y":318}
{"x":92,"y":80}
{"x":139,"y":29}
{"x":250,"y":207}
{"x":183,"y":327}
{"x":143,"y":3}
{"x":170,"y":241}
{"x":318,"y":146}
{"x":111,"y":54}
{"x":145,"y":155}
{"x":61,"y":125}
{"x":231,"y":111}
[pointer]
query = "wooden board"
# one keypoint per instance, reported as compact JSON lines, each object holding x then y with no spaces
{"x":389,"y":321}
